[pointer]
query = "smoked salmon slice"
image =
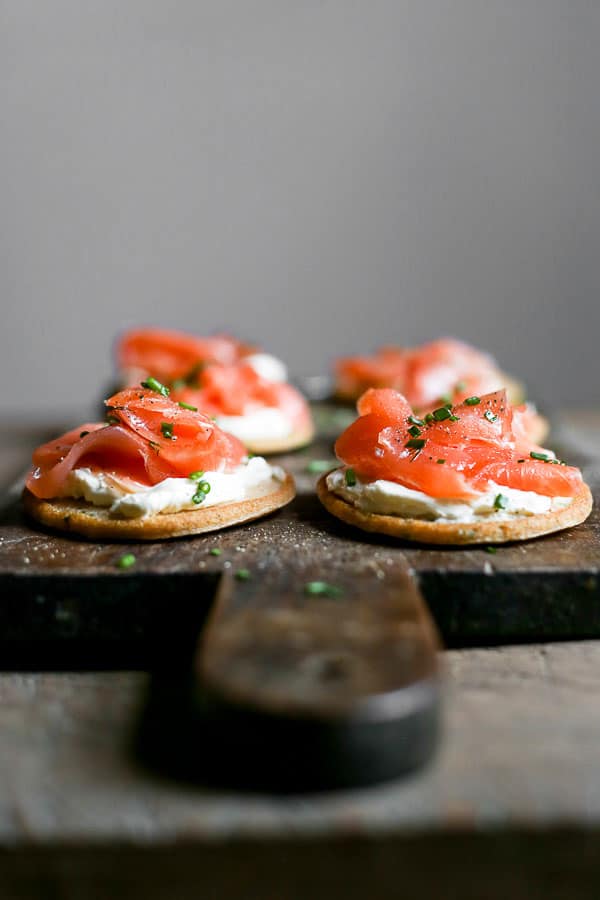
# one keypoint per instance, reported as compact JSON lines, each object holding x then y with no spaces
{"x":149,"y":437}
{"x":442,"y":369}
{"x":237,"y":390}
{"x":170,"y":355}
{"x":452,"y":452}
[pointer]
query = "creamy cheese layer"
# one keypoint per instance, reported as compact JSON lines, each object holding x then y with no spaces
{"x":264,"y":423}
{"x":392,"y":499}
{"x":131,"y":500}
{"x":268,"y":367}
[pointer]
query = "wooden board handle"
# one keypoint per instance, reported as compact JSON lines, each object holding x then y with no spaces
{"x":297,"y":691}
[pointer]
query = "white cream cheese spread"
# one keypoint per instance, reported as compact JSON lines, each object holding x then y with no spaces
{"x":268,"y":367}
{"x":263,"y":423}
{"x":131,"y":500}
{"x":392,"y":499}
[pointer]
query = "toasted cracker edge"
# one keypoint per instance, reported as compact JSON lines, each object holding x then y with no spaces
{"x":488,"y":532}
{"x":81,"y":518}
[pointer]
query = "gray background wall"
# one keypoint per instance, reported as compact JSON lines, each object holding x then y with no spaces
{"x":322,"y":176}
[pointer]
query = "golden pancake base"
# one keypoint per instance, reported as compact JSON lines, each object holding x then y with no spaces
{"x":81,"y":518}
{"x":485,"y":532}
{"x":294,"y":441}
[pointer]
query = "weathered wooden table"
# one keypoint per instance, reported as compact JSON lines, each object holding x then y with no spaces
{"x":510,"y":807}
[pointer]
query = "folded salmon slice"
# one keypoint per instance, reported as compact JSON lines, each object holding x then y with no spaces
{"x":237,"y":390}
{"x":422,"y":374}
{"x":150,"y":438}
{"x":171,"y":355}
{"x":455,"y":453}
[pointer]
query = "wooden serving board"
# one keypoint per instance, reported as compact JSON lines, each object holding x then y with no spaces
{"x":58,"y":591}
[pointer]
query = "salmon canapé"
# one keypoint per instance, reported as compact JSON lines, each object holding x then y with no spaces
{"x":463,"y":474}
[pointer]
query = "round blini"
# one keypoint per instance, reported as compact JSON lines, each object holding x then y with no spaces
{"x":81,"y":518}
{"x":294,"y":441}
{"x":498,"y":531}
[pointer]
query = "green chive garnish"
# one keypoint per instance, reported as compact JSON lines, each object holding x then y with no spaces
{"x":201,"y":491}
{"x":441,"y":413}
{"x":318,"y":466}
{"x":178,"y":384}
{"x":415,"y":443}
{"x":440,"y":462}
{"x":82,"y":434}
{"x":543,"y":457}
{"x":414,"y":430}
{"x":154,"y":385}
{"x":490,"y":416}
{"x":243,"y":574}
{"x":429,"y":419}
{"x":491,"y":549}
{"x":126,"y":561}
{"x":216,"y":551}
{"x":167,"y":430}
{"x":473,"y":401}
{"x":520,"y":460}
{"x":500,"y":501}
{"x":454,"y":418}
{"x":188,"y":406}
{"x":414,"y":420}
{"x":196,"y":476}
{"x":322,"y":589}
{"x":350,"y":477}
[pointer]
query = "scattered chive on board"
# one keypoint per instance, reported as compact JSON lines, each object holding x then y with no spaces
{"x":322,"y":589}
{"x":318,"y":466}
{"x":243,"y":575}
{"x":215,"y":551}
{"x":126,"y":561}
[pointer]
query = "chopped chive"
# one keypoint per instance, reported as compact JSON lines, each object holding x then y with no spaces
{"x":500,"y":501}
{"x":196,"y":476}
{"x":490,"y":416}
{"x":188,"y":406}
{"x":154,"y":385}
{"x":248,"y":455}
{"x":317,"y":466}
{"x":454,"y":418}
{"x":216,"y":551}
{"x":201,"y":491}
{"x":415,"y":443}
{"x":473,"y":401}
{"x":440,"y":462}
{"x":155,"y":446}
{"x":491,"y":549}
{"x":243,"y":575}
{"x":350,"y":477}
{"x":82,"y":434}
{"x":543,"y":457}
{"x":178,"y":384}
{"x":167,"y":430}
{"x":414,"y":420}
{"x":429,"y":419}
{"x":126,"y":561}
{"x":520,"y":460}
{"x":322,"y":589}
{"x":414,"y":430}
{"x":192,"y":375}
{"x":441,"y":413}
